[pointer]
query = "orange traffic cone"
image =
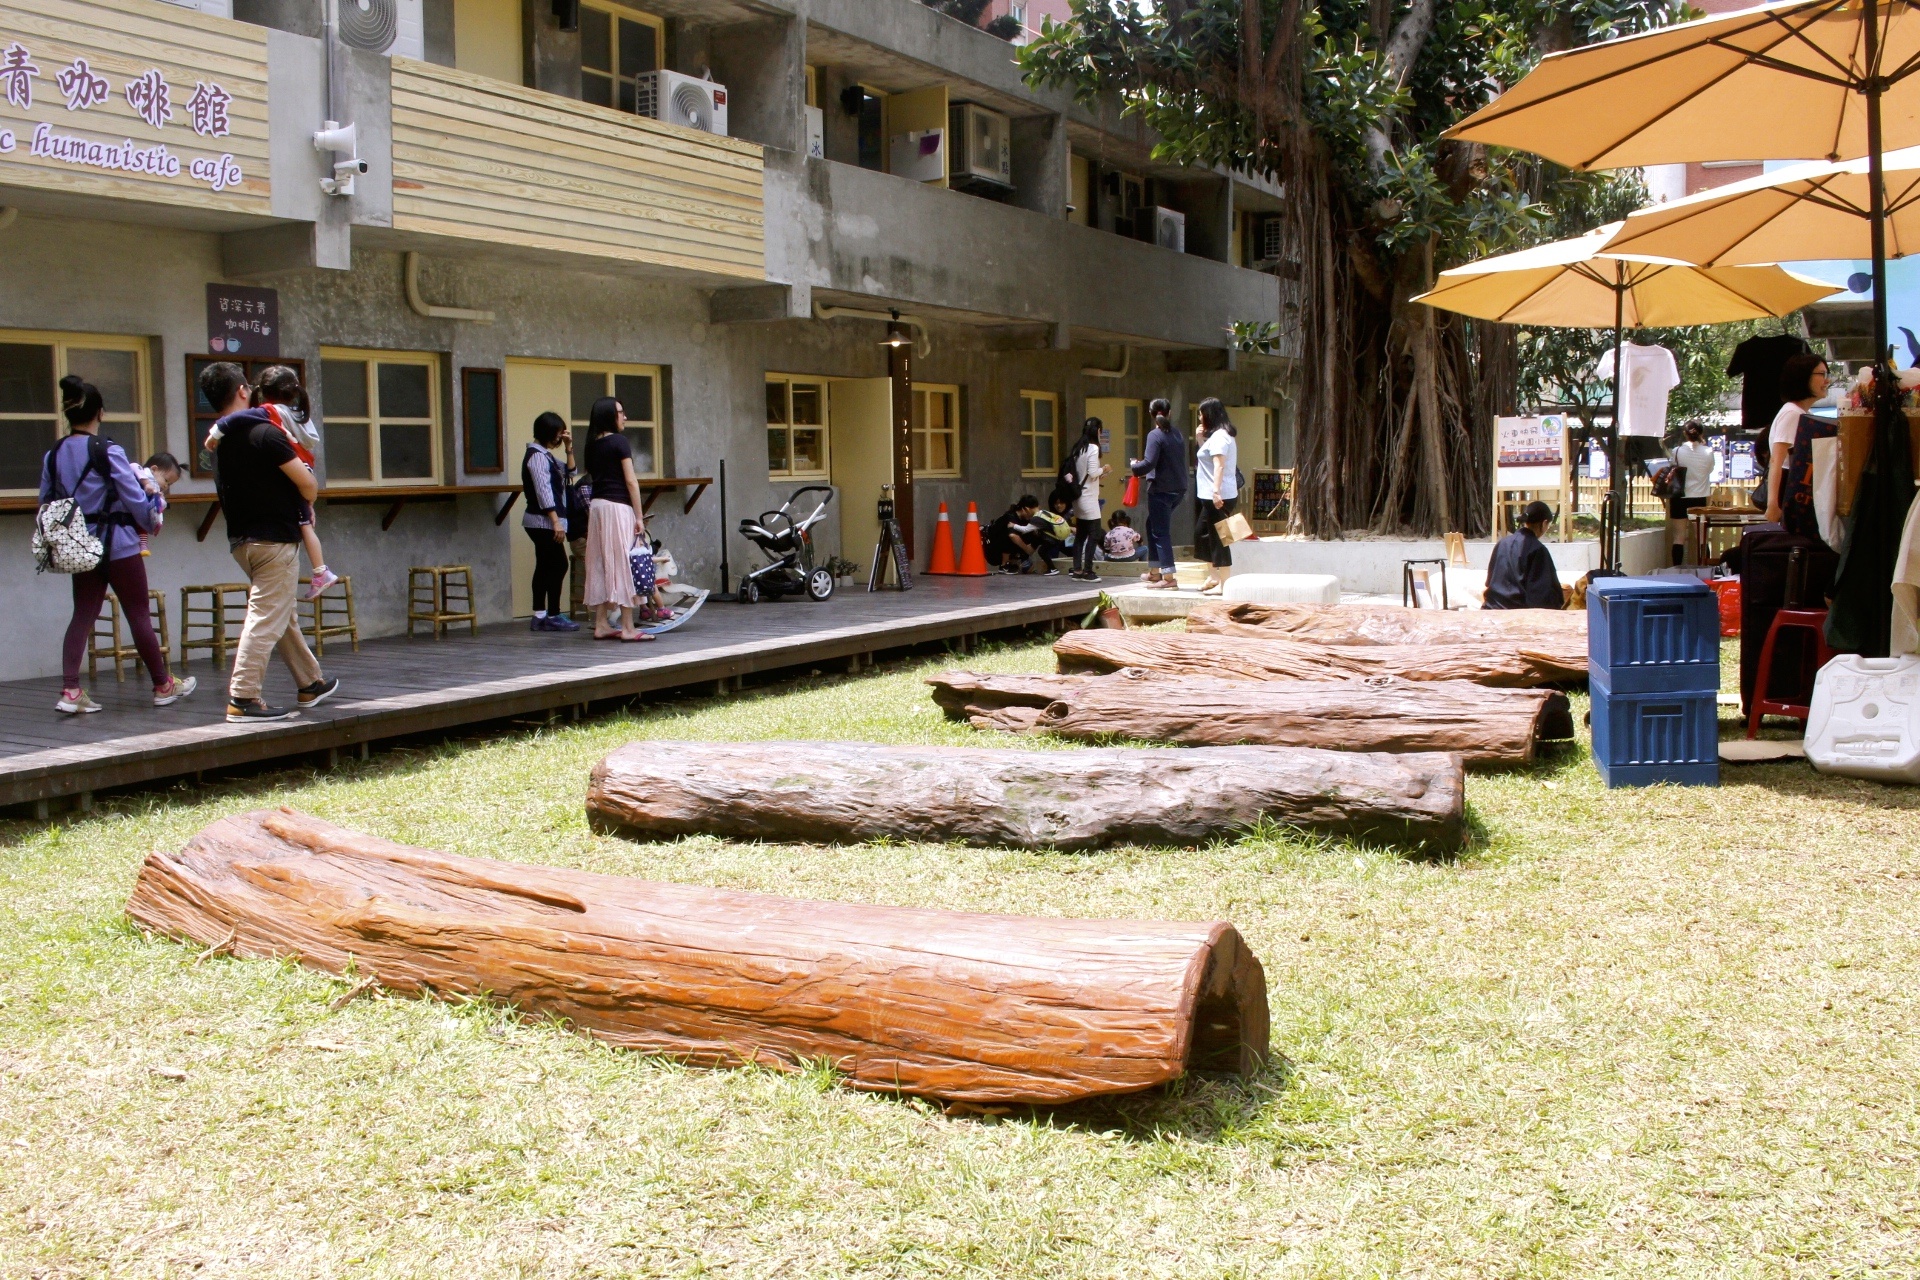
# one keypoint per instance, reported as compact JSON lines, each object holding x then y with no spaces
{"x":973,"y":552}
{"x":942,"y":560}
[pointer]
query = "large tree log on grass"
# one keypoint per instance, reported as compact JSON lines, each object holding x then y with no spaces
{"x":979,"y":1008}
{"x":850,"y":791}
{"x":1238,"y":657}
{"x":1378,"y":713}
{"x":1557,"y":634}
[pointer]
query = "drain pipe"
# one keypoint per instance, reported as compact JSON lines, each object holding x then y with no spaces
{"x":822,"y":311}
{"x":422,"y":307}
{"x":1126,"y":363}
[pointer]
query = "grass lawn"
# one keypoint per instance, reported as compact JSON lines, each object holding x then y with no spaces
{"x":1636,"y":1033}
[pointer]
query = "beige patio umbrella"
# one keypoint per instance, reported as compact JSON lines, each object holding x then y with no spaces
{"x":1807,"y":211}
{"x":1583,"y":283}
{"x":1801,"y":79}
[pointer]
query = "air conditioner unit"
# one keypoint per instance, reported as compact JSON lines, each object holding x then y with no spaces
{"x":919,"y":155}
{"x":672,"y":98}
{"x":393,"y":27}
{"x":978,"y":150}
{"x":816,"y":133}
{"x":1170,"y":229}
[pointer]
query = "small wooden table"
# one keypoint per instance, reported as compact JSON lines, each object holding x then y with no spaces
{"x":1703,"y":523}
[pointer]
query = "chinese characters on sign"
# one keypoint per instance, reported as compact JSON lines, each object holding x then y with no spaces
{"x":243,"y":321}
{"x":150,"y":97}
{"x":1529,"y":442}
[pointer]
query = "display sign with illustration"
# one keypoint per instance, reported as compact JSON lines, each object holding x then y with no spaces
{"x":93,"y":102}
{"x":1530,"y":442}
{"x":243,"y":321}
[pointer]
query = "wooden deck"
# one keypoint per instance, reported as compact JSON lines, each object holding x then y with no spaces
{"x":394,"y":687}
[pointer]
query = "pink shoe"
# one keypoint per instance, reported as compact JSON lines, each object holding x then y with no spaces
{"x":323,"y":578}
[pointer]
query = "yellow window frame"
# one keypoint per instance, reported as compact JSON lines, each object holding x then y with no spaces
{"x":375,"y":419}
{"x":618,"y":11}
{"x":650,"y":423}
{"x":787,"y":427}
{"x":63,"y":343}
{"x":1035,"y":461}
{"x":923,"y":435}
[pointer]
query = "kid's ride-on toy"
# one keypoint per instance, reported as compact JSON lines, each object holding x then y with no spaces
{"x":789,"y":546}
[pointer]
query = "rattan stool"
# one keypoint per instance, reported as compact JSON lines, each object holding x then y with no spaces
{"x":106,"y":643}
{"x":217,"y":613}
{"x":438,"y":595}
{"x":329,"y":615}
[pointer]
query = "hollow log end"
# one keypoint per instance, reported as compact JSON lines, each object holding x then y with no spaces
{"x":1230,"y":1028}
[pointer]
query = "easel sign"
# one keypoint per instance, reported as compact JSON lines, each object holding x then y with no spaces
{"x":1531,"y":457}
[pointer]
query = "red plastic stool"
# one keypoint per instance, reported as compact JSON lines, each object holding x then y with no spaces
{"x":1814,"y":620}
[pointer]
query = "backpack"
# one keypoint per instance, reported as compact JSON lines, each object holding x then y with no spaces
{"x":1067,"y":484}
{"x":62,"y":542}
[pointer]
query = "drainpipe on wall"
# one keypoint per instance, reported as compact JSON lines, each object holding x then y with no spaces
{"x":822,"y":311}
{"x":422,"y":307}
{"x":1126,"y":362}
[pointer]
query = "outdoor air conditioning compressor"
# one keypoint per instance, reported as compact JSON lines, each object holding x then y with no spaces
{"x":978,"y":149}
{"x":691,"y":103}
{"x":1170,"y":229}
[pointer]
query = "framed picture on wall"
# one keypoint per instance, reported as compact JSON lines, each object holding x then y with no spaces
{"x":483,"y":443}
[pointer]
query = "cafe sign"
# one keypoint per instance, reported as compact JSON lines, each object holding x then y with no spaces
{"x":134,"y":98}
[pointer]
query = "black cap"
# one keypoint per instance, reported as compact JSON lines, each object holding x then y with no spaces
{"x":1537,"y":513}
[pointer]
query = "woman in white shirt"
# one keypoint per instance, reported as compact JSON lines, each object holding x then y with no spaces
{"x":1217,"y":488}
{"x":1695,"y":459}
{"x":1803,"y":380}
{"x":1085,"y":460}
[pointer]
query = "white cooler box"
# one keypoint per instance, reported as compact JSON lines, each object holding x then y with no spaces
{"x":1865,"y":718}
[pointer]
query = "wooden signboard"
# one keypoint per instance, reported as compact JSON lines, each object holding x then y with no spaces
{"x":136,"y":100}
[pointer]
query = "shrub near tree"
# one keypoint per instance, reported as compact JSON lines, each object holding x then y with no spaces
{"x":1344,"y":103}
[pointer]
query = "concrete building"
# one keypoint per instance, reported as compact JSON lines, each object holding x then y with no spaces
{"x":527,"y":237}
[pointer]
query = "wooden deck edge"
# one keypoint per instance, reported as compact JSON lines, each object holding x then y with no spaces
{"x":173,"y":753}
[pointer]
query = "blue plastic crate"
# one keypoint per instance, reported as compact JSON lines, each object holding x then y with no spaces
{"x":1665,"y":736}
{"x":1653,"y":635}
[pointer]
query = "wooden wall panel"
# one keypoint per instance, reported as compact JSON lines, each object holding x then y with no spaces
{"x":483,"y":160}
{"x":220,"y":164}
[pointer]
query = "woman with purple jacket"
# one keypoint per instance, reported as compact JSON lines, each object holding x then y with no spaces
{"x":97,"y":474}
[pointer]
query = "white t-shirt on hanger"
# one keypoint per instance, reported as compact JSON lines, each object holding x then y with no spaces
{"x":1650,"y":374}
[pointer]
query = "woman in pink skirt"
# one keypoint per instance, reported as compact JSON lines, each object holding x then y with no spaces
{"x":613,"y":522}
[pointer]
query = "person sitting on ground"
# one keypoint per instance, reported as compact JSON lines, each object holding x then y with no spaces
{"x":1521,"y":574}
{"x":1123,"y":540}
{"x":1055,"y":527}
{"x":1013,"y":539}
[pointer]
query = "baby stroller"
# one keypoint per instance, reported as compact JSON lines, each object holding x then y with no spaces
{"x":789,"y":547}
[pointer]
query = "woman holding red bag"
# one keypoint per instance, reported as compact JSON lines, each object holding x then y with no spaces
{"x":1165,"y":468}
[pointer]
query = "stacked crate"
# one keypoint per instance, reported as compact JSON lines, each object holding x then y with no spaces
{"x":1653,"y":666}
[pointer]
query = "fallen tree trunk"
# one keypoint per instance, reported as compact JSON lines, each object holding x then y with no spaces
{"x":1379,"y":713}
{"x":1560,"y":634}
{"x":1238,"y":657}
{"x":850,"y":791}
{"x":980,"y":1008}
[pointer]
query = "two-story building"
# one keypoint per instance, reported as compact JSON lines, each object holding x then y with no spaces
{"x":717,"y":210}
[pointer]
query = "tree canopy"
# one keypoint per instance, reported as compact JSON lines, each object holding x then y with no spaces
{"x":1344,"y":101}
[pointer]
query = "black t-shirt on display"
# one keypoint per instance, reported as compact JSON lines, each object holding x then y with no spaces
{"x":1757,"y":363}
{"x":256,"y":496}
{"x":604,"y":456}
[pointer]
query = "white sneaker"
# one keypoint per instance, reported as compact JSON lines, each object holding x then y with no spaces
{"x":176,"y":690}
{"x":78,"y":705}
{"x":323,"y":578}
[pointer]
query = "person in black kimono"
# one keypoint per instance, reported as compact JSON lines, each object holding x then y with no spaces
{"x":1521,"y":574}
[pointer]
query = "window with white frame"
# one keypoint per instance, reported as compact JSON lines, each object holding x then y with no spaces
{"x":31,"y":366}
{"x":796,"y":427}
{"x":936,"y":431}
{"x":617,"y":45}
{"x":637,"y":388}
{"x":1039,"y":429}
{"x":380,"y":416}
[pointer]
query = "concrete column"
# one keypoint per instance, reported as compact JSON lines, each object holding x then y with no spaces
{"x":1040,"y":180}
{"x":763,"y":65}
{"x":299,"y":17}
{"x":552,"y":55}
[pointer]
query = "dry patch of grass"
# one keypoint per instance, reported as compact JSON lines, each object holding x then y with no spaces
{"x":1633,"y":1033}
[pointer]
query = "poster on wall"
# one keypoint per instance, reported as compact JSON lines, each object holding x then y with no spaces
{"x":243,"y":321}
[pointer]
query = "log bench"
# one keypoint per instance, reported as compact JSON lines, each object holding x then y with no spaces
{"x":1283,"y":657}
{"x":1486,"y":726}
{"x":947,"y":1004}
{"x":836,"y":792}
{"x":1559,"y":636}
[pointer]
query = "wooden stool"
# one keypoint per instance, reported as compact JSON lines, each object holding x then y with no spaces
{"x":106,"y":644}
{"x":217,"y":613}
{"x":1814,"y":620}
{"x":440,"y":594}
{"x":329,"y":615}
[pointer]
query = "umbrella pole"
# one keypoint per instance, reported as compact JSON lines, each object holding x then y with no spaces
{"x":1610,"y":518}
{"x":1876,"y":195}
